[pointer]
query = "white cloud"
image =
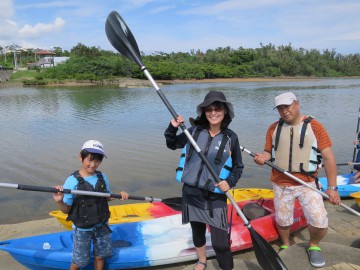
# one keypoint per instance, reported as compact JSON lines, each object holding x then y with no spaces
{"x":6,"y":9}
{"x":40,"y":29}
{"x":161,"y":9}
{"x":169,"y":25}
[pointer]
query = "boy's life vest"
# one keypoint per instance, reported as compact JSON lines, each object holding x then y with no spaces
{"x":192,"y":170}
{"x":298,"y":150}
{"x":88,"y":211}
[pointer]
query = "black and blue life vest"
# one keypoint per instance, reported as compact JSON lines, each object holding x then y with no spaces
{"x":192,"y":170}
{"x":88,"y":211}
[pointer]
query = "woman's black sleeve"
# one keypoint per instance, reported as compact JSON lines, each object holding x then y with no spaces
{"x":174,"y":141}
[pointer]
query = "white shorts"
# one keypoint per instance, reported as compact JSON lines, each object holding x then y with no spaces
{"x":311,"y":202}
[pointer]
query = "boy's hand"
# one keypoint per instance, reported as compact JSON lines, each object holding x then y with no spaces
{"x":124,"y":195}
{"x":58,"y":197}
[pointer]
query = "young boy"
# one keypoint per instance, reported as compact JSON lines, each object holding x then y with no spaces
{"x":89,"y":214}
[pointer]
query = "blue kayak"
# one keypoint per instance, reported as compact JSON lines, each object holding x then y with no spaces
{"x":345,"y":183}
{"x":146,"y":243}
{"x":135,"y":245}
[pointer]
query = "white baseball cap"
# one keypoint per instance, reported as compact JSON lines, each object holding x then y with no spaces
{"x":284,"y":99}
{"x":93,"y":146}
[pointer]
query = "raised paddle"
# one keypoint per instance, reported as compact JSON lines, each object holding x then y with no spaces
{"x":174,"y":203}
{"x":299,"y":180}
{"x":357,"y":136}
{"x":124,"y":42}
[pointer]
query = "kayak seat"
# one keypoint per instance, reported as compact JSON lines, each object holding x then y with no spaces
{"x":254,"y":210}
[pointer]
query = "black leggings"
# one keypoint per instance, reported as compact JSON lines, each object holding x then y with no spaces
{"x":220,"y":243}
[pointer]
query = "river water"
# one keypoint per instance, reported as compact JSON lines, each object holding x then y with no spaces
{"x":43,"y":129}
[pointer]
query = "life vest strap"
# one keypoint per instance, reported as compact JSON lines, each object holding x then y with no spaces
{"x":220,"y":153}
{"x":303,"y":131}
{"x":195,"y":136}
{"x":278,"y":132}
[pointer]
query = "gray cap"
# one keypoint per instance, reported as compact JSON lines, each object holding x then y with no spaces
{"x":211,"y":97}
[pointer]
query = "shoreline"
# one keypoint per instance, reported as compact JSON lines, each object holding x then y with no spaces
{"x":136,"y":83}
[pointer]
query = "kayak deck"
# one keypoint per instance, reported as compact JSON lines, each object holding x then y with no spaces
{"x":157,"y":241}
{"x":356,"y":196}
{"x":345,"y":183}
{"x":144,"y":211}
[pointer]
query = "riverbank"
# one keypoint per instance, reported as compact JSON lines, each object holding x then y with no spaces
{"x":137,"y":83}
{"x":341,"y":246}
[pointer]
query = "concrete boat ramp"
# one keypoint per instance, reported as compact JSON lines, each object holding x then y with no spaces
{"x":341,"y":246}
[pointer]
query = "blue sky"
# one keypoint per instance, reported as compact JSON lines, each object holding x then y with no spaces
{"x":184,"y":25}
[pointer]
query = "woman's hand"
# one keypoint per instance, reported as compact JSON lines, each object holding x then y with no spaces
{"x":223,"y":185}
{"x":178,"y":121}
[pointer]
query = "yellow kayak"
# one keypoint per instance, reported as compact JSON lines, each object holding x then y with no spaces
{"x":356,"y":196}
{"x":143,"y":211}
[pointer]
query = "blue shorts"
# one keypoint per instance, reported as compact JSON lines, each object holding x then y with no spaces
{"x":100,"y":239}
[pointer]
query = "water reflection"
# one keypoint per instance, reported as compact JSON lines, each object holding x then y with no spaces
{"x":42,"y":130}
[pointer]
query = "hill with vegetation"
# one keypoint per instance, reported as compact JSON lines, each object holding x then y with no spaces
{"x":92,"y":64}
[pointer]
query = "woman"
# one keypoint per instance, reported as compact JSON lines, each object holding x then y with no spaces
{"x":204,"y":201}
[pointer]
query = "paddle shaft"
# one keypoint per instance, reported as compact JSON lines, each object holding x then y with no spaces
{"x":265,"y":254}
{"x":76,"y":192}
{"x":121,"y":38}
{"x":349,"y":163}
{"x":299,"y":180}
{"x":356,"y":136}
{"x":343,"y":164}
{"x":194,"y":144}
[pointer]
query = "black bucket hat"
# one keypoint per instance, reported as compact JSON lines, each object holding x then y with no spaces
{"x":213,"y":96}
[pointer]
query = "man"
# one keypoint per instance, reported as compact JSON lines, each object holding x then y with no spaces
{"x":294,"y":143}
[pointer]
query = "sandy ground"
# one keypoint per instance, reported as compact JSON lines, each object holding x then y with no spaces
{"x":344,"y":234}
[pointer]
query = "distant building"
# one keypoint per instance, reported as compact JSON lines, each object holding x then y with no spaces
{"x":44,"y":58}
{"x":60,"y":59}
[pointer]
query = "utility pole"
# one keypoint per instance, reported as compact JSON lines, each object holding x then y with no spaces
{"x":15,"y":59}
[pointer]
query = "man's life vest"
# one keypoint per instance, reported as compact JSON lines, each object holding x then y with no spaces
{"x":87,"y":211}
{"x":192,"y":170}
{"x":298,"y":151}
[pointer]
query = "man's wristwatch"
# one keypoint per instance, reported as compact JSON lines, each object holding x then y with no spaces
{"x":333,"y":188}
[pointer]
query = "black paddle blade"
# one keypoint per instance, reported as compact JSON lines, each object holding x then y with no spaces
{"x":120,"y":36}
{"x":174,"y":203}
{"x":266,"y":256}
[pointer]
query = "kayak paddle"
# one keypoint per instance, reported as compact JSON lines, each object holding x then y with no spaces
{"x":348,"y":163}
{"x":174,"y":203}
{"x":343,"y":164}
{"x":124,"y":42}
{"x":299,"y":180}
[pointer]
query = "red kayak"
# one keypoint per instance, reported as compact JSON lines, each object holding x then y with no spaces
{"x":265,"y":225}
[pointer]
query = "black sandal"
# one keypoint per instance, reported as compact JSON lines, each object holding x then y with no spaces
{"x":204,"y":264}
